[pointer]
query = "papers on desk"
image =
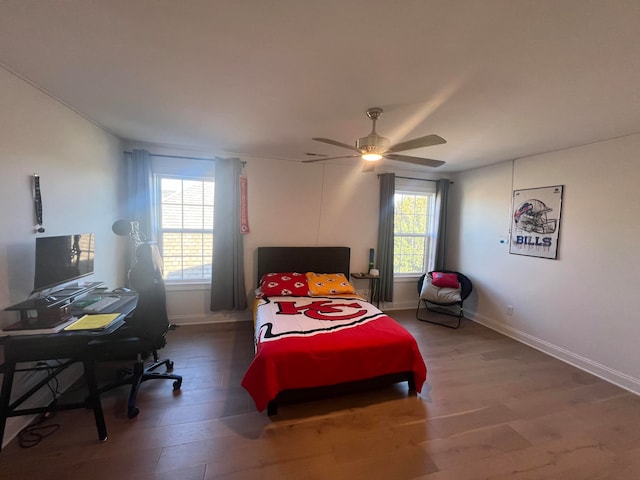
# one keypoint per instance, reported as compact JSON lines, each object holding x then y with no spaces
{"x":93,"y":322}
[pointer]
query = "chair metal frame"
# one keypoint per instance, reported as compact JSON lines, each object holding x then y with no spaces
{"x":138,"y":372}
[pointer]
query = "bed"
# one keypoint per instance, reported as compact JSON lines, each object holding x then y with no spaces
{"x":313,"y":335}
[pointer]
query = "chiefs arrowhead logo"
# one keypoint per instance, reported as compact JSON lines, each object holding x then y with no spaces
{"x":304,"y":316}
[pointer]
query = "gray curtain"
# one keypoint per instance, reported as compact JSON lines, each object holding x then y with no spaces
{"x":140,"y":199}
{"x":227,"y":264}
{"x":141,"y":192}
{"x":385,"y":237}
{"x":440,"y":227}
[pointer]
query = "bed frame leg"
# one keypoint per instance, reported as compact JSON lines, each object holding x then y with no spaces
{"x":411,"y":382}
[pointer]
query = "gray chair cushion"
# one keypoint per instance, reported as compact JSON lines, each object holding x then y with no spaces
{"x":441,"y":295}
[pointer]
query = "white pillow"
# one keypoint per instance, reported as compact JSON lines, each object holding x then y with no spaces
{"x":434,"y":294}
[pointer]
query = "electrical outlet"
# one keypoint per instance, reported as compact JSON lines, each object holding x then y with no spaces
{"x":509,"y":310}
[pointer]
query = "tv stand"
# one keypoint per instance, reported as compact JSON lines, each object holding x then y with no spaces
{"x":52,"y":306}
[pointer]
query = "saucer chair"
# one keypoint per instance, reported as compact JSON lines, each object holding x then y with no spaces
{"x":439,"y":291}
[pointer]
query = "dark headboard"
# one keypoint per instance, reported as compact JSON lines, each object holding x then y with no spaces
{"x":303,"y":259}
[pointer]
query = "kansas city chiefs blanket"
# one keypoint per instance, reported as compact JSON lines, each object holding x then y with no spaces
{"x":306,"y":342}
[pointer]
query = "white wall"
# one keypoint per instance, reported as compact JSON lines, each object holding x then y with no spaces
{"x":580,"y":307}
{"x":309,"y":205}
{"x":79,"y":165}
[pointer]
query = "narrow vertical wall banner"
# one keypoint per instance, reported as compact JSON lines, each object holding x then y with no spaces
{"x":37,"y":201}
{"x":535,"y":222}
{"x":244,"y":206}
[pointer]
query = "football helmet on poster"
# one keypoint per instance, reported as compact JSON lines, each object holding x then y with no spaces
{"x":531,"y":216}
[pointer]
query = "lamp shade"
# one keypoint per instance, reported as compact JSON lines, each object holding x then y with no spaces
{"x":125,"y":228}
{"x":122,"y":228}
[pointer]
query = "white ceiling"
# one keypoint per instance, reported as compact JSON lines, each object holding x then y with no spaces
{"x":498,"y":79}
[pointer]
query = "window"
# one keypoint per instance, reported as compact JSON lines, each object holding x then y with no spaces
{"x":185,"y":220}
{"x":413,"y":226}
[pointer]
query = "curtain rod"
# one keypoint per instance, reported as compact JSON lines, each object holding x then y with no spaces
{"x":182,"y":157}
{"x":414,"y":178}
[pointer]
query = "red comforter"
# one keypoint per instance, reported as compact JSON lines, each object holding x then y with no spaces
{"x":316,"y":341}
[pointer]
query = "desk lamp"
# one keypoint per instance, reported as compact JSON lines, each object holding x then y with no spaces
{"x":125,"y":228}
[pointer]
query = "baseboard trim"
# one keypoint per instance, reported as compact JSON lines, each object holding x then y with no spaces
{"x":398,"y":306}
{"x":217,"y":317}
{"x":602,"y":371}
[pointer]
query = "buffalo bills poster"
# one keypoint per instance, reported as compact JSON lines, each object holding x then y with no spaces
{"x":535,"y":221}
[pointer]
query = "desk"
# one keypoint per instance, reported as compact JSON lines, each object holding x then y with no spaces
{"x":373,"y":285}
{"x":68,"y":346}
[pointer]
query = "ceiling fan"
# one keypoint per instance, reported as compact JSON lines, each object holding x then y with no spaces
{"x":373,"y":147}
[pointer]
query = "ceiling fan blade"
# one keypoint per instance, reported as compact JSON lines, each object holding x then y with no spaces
{"x":426,"y":162}
{"x":368,"y":166}
{"x":322,"y":159}
{"x":335,"y":142}
{"x":426,"y":141}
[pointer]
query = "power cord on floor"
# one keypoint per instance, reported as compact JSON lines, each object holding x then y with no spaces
{"x":31,"y":435}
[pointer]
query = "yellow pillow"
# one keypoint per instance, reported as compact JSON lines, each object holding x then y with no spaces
{"x":328,"y":284}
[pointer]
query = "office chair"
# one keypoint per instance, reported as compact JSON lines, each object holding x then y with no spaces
{"x":435,"y":298}
{"x":144,"y":332}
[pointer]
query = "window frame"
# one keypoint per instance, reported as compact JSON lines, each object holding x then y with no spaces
{"x":158,"y":207}
{"x":424,"y":189}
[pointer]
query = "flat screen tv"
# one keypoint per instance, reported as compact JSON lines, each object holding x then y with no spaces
{"x":62,"y":259}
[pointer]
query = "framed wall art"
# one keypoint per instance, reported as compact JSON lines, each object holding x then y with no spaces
{"x":535,"y":223}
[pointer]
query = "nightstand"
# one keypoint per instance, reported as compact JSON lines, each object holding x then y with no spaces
{"x":373,"y":285}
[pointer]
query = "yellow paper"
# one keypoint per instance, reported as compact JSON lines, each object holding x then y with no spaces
{"x":93,"y":322}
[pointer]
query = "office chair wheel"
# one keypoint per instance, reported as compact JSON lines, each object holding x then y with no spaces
{"x":133,"y":412}
{"x":169,"y":366}
{"x":176,"y":385}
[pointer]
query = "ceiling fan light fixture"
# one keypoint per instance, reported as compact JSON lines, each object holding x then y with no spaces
{"x":374,"y":147}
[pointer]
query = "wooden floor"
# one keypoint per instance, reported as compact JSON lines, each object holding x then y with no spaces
{"x":492,"y":409}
